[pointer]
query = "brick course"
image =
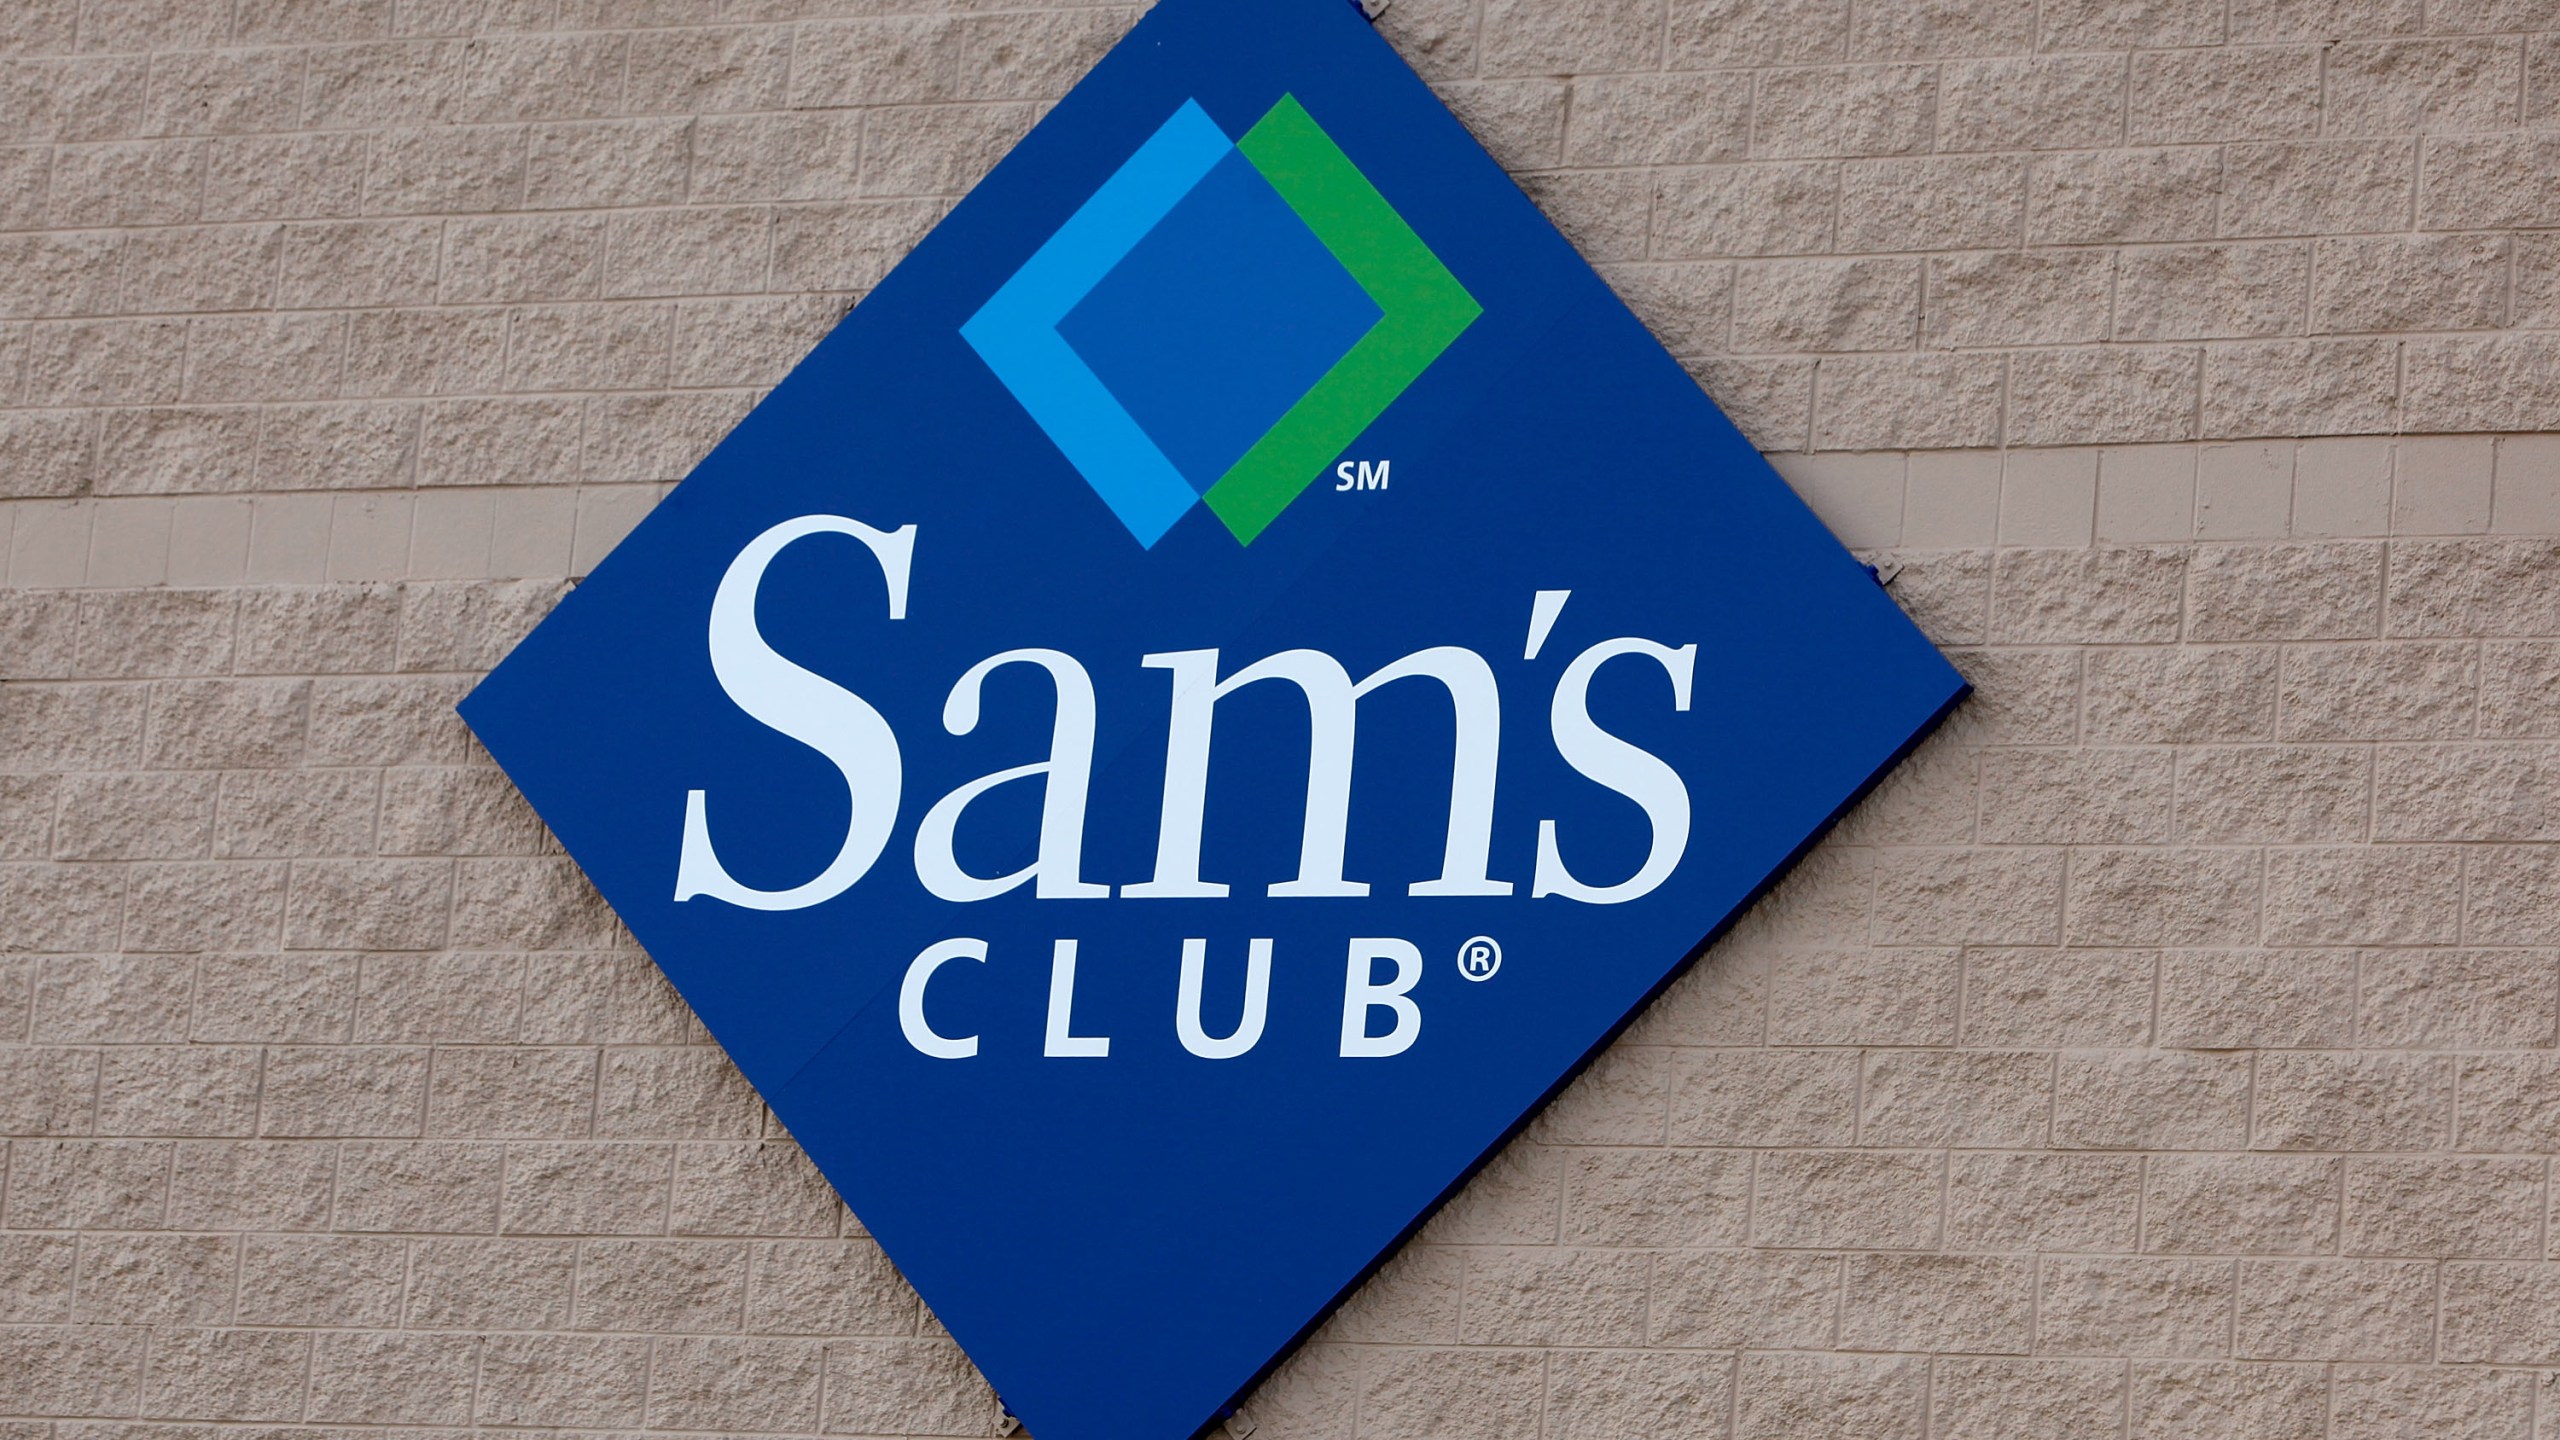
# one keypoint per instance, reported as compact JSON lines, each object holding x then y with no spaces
{"x":2168,"y":1049}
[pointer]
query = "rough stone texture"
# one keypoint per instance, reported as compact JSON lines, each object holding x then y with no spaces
{"x":2170,"y":1048}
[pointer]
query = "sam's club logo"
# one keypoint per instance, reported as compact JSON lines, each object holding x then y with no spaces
{"x":1220,"y":320}
{"x":1145,"y":938}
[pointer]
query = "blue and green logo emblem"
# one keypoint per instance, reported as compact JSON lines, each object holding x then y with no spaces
{"x":1220,"y":320}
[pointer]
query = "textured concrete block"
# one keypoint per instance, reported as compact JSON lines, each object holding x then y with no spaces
{"x":2167,"y":1100}
{"x":1877,"y":402}
{"x":608,"y":163}
{"x":1980,"y":1304}
{"x":156,"y":1279}
{"x":2057,"y":999}
{"x":2153,"y":897}
{"x":2466,"y":1209}
{"x":1722,"y":1298}
{"x":1977,"y":1097}
{"x":1658,"y":120}
{"x":2457,"y":588}
{"x":2499,"y":1312}
{"x":828,"y":1287}
{"x":2519,"y":686}
{"x":1831,"y":1396}
{"x":938,"y":150}
{"x":112,"y":999}
{"x":62,"y":908}
{"x":2390,"y":691}
{"x":757,"y":1384}
{"x":2510,"y":899}
{"x":2502,"y":383}
{"x":1788,"y":1097}
{"x":247,"y":1185}
{"x":2115,"y":196}
{"x":589,"y":347}
{"x":661,"y":1285}
{"x":2215,"y":93}
{"x":1851,"y":111}
{"x":227,"y":1375}
{"x":84,"y":1185}
{"x":393,"y":1378}
{"x":1862,"y":1199}
{"x":749,"y":1188}
{"x":2407,"y":895}
{"x":566,"y":1189}
{"x":2323,"y":186}
{"x":2122,"y":1305}
{"x":608,"y":999}
{"x":2358,"y":1101}
{"x":2424,"y":282}
{"x":1638,"y":1394}
{"x":2268,"y":1400}
{"x":2046,"y":1202}
{"x":2285,"y":592}
{"x":514,"y":1094}
{"x":2395,"y":86}
{"x":2273,"y":794}
{"x":490,"y":1284}
{"x":460,"y":998}
{"x":583,"y":1380}
{"x":1953,"y":202}
{"x":874,"y":62}
{"x":2025,"y":1397}
{"x":376,"y":904}
{"x":2240,"y":1205}
{"x":321,"y":1281}
{"x":536,"y":904}
{"x":1583,"y":36}
{"x":1739,"y":211}
{"x":411,"y":1187}
{"x":1980,"y":896}
{"x":1553,"y":1296}
{"x":35,"y":1278}
{"x":48,"y":1091}
{"x":2369,"y":1402}
{"x":73,"y":1371}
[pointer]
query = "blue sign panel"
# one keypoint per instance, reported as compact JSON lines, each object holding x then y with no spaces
{"x":1228,"y":677}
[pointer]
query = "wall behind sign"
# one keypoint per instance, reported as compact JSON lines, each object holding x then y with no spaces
{"x":2169,"y":1048}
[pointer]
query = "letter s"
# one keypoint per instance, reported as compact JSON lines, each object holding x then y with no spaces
{"x":809,"y":708}
{"x":1636,"y":773}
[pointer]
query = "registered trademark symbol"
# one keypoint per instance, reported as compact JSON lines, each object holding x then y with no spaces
{"x":1479,"y":958}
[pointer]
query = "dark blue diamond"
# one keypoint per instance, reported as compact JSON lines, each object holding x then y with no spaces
{"x":1219,"y":320}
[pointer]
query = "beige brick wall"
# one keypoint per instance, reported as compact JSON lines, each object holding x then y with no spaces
{"x":2171,"y":1049}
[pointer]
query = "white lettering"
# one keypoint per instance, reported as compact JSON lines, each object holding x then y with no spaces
{"x":1638,"y":774}
{"x":911,"y":1000}
{"x":1068,"y":774}
{"x":1360,"y":995}
{"x":1332,"y":718}
{"x":1257,"y":997}
{"x":809,"y":708}
{"x":1062,"y":1039}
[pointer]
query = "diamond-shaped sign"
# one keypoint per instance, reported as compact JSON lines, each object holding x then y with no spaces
{"x":1227,"y":679}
